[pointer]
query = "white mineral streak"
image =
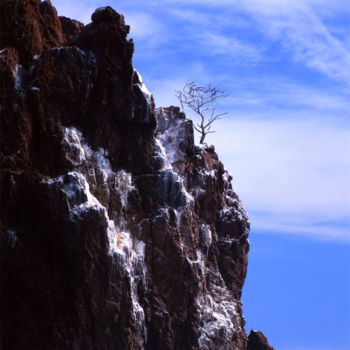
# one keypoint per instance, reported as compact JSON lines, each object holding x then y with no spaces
{"x":161,"y":152}
{"x":170,"y":139}
{"x":233,"y":207}
{"x":226,"y":176}
{"x":218,"y":311}
{"x":200,"y":262}
{"x":18,"y":74}
{"x":239,"y":210}
{"x":130,"y":252}
{"x":143,"y":87}
{"x":72,"y":139}
{"x":219,"y":314}
{"x":207,"y":235}
{"x":147,"y":95}
{"x":124,"y":185}
{"x":167,"y":142}
{"x":232,"y":201}
{"x":127,"y":251}
{"x":203,"y":173}
{"x":167,"y":149}
{"x":102,"y":163}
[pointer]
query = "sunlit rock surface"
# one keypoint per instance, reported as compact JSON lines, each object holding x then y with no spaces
{"x":117,"y":231}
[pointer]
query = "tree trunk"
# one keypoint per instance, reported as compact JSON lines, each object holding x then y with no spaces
{"x":202,"y":137}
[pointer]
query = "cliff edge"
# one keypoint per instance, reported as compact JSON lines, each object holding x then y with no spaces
{"x":117,"y":231}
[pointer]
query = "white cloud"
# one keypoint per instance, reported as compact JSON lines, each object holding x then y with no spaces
{"x":301,"y":26}
{"x":206,"y":18}
{"x":279,"y":97}
{"x":143,"y":26}
{"x":216,"y":43}
{"x":305,"y":224}
{"x":270,"y":92}
{"x":163,"y":89}
{"x":293,"y":175}
{"x":298,"y":25}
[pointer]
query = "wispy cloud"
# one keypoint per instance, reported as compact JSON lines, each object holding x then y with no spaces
{"x":330,"y":229}
{"x":221,"y":44}
{"x":144,"y":26}
{"x":293,"y":175}
{"x":203,"y":17}
{"x":164,"y":88}
{"x":278,"y":93}
{"x":277,"y":97}
{"x":299,"y":27}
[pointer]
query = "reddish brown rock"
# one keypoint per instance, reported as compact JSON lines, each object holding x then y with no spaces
{"x":106,"y":14}
{"x":30,"y":27}
{"x":117,"y":231}
{"x":106,"y":38}
{"x":70,"y":28}
{"x":257,"y":341}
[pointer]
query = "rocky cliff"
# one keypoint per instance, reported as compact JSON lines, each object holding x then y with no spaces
{"x":117,"y":231}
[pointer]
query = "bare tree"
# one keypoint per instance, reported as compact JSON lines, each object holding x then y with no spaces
{"x":203,"y":101}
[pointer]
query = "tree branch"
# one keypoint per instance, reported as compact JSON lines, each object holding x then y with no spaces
{"x":203,"y":101}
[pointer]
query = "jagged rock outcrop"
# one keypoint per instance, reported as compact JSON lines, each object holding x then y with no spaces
{"x":257,"y":341}
{"x":30,"y":27}
{"x":117,"y":231}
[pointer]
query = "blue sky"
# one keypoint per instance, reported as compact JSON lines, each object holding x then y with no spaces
{"x":286,"y":140}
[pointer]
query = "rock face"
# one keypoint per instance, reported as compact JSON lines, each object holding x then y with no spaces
{"x":117,"y":232}
{"x":257,"y":341}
